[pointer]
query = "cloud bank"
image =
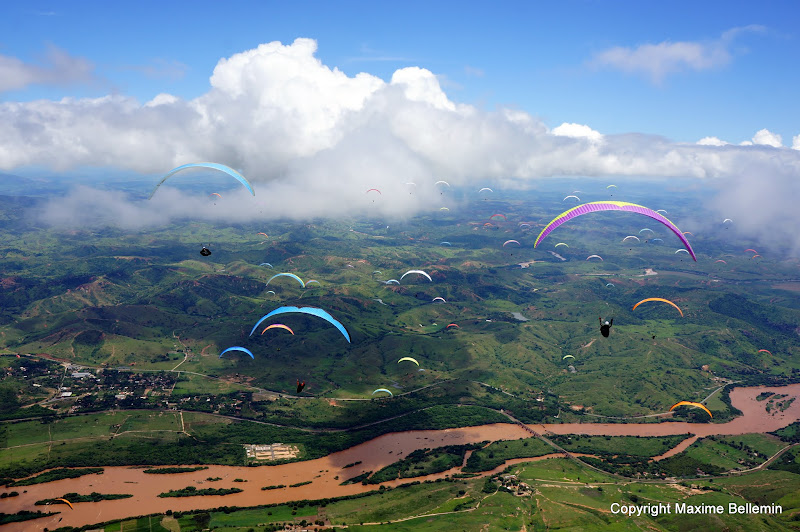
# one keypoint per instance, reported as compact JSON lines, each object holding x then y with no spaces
{"x":312,"y":140}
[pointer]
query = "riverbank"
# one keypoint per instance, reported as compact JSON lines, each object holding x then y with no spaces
{"x":326,"y":474}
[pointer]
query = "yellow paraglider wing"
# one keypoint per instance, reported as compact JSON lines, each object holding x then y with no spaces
{"x":658,"y":299}
{"x":409,"y":359}
{"x":690,"y":403}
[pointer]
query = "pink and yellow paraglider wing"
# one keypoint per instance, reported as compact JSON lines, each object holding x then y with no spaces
{"x":277,"y":326}
{"x":612,"y":206}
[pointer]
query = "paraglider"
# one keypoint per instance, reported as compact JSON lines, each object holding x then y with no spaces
{"x":690,"y":403}
{"x":215,"y":194}
{"x":631,"y":236}
{"x":611,"y":186}
{"x":511,"y":241}
{"x":445,"y":243}
{"x":300,"y":385}
{"x":658,"y":299}
{"x":562,"y":244}
{"x":410,"y":359}
{"x":313,"y":311}
{"x":444,"y":209}
{"x":205,"y":251}
{"x":373,"y":189}
{"x":661,"y":211}
{"x":420,"y":272}
{"x":764,"y":351}
{"x":609,"y":284}
{"x":688,"y":233}
{"x":214,"y":166}
{"x":594,"y":257}
{"x":611,"y":206}
{"x":605,"y":328}
{"x":67,"y":502}
{"x":266,"y":264}
{"x":265,"y":235}
{"x":383,"y":390}
{"x":312,"y":281}
{"x":645,"y":229}
{"x":754,"y":251}
{"x":571,"y":196}
{"x":277,"y":326}
{"x":442,"y":183}
{"x":293,"y":276}
{"x":681,"y":251}
{"x":439,"y":298}
{"x":390,"y":281}
{"x":487,"y":189}
{"x":503,"y":216}
{"x":567,"y":356}
{"x":237,"y":348}
{"x":720,"y":260}
{"x":727,"y":220}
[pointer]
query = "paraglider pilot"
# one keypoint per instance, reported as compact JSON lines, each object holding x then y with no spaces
{"x":605,"y":328}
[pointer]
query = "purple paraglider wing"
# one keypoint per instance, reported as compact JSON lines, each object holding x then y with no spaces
{"x":612,"y":206}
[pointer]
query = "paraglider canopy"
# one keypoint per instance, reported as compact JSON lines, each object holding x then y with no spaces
{"x":313,"y":311}
{"x":214,"y":166}
{"x":300,"y":385}
{"x":690,"y":403}
{"x":383,"y":390}
{"x":205,"y":251}
{"x":409,"y":359}
{"x":658,"y":299}
{"x":237,"y":348}
{"x":611,"y":206}
{"x":420,"y":272}
{"x":293,"y":276}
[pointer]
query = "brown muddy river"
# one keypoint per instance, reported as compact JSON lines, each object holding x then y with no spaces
{"x":323,"y":472}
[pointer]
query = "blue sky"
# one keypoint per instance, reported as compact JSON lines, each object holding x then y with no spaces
{"x":540,"y":57}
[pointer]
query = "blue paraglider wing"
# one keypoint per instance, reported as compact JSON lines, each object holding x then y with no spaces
{"x":237,"y":348}
{"x":215,"y":166}
{"x":313,"y":311}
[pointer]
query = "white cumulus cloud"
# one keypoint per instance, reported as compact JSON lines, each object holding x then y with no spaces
{"x":768,"y":138}
{"x":711,"y":141}
{"x":312,"y":140}
{"x":656,"y":61}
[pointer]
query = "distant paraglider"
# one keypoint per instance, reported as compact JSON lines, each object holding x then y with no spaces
{"x":237,"y":348}
{"x":420,"y":272}
{"x":300,"y":385}
{"x":214,"y":166}
{"x":277,"y":326}
{"x":594,"y":257}
{"x":409,"y":359}
{"x":313,"y":311}
{"x":511,"y":242}
{"x":571,"y":196}
{"x":667,"y":301}
{"x":205,"y":251}
{"x":611,"y":206}
{"x":293,"y":276}
{"x":690,"y":403}
{"x":383,"y":390}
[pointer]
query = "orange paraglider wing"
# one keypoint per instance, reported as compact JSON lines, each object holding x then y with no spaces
{"x":690,"y":403}
{"x":277,"y":326}
{"x":66,"y":501}
{"x":658,"y":299}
